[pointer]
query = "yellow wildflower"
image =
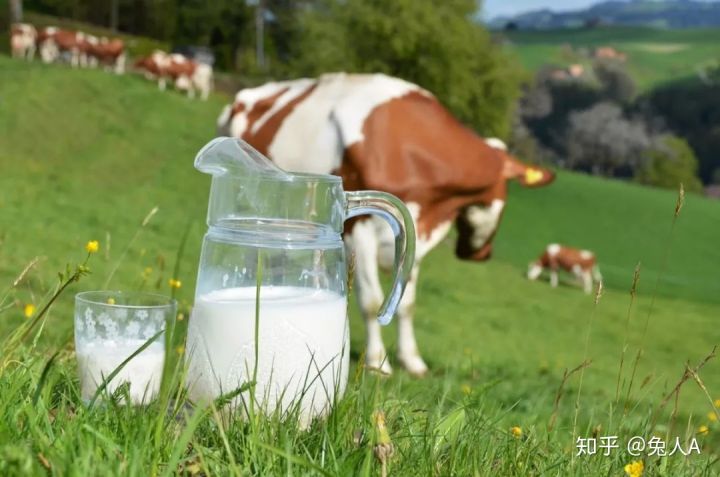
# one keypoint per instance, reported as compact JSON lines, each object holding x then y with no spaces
{"x":635,"y":469}
{"x":717,"y":403}
{"x":174,"y":283}
{"x":180,"y":349}
{"x":466,"y":389}
{"x":146,"y":273}
{"x":703,"y":430}
{"x":111,"y":301}
{"x":29,"y":310}
{"x":516,"y":431}
{"x":712,"y":416}
{"x":92,"y":246}
{"x":180,"y":316}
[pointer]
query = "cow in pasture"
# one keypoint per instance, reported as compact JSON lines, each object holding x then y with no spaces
{"x":54,"y":42}
{"x":581,"y":263}
{"x":86,"y":46}
{"x":46,"y":45}
{"x":184,"y":73}
{"x":106,"y":52}
{"x":22,"y":40}
{"x":383,"y":133}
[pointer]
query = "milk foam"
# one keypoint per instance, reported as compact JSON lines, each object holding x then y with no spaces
{"x":303,"y":348}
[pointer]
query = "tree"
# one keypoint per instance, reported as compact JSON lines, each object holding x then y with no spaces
{"x":601,"y":140}
{"x":16,"y":11}
{"x":670,"y":162}
{"x":434,"y":44}
{"x":616,"y":82}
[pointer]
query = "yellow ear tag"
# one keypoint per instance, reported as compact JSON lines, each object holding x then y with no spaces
{"x":533,"y":175}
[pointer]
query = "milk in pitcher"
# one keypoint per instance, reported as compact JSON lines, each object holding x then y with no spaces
{"x":303,"y":348}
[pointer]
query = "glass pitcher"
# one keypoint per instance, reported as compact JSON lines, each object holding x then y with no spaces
{"x":273,"y":272}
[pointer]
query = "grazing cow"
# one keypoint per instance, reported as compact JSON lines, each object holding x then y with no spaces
{"x":87,"y":45}
{"x":53,"y":42}
{"x":22,"y":40}
{"x":110,"y":53}
{"x":46,"y":44}
{"x":383,"y":133}
{"x":186,"y":74}
{"x":580,"y":263}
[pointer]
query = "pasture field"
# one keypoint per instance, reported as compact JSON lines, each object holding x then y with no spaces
{"x":655,"y":56}
{"x":86,"y":155}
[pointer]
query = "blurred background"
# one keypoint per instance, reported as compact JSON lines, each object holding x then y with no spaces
{"x":543,"y":75}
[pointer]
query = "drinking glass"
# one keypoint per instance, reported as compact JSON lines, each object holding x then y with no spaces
{"x":112,"y":325}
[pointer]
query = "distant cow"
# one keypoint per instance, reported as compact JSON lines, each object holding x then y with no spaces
{"x":184,"y":73}
{"x":22,"y":40}
{"x":383,"y":133}
{"x":53,"y":42}
{"x":106,"y":52}
{"x":580,"y":263}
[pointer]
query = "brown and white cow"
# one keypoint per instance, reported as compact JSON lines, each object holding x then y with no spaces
{"x":581,"y":263}
{"x":53,"y":42}
{"x":185,"y":74}
{"x":22,"y":40}
{"x":384,"y":133}
{"x":107,"y":52}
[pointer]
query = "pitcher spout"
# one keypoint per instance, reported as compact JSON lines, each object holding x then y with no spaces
{"x":231,"y":156}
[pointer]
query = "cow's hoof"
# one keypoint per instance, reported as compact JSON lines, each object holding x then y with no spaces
{"x":378,"y":365}
{"x":414,"y":365}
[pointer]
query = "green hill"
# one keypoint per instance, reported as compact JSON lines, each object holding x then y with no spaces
{"x":86,"y":155}
{"x":655,"y":55}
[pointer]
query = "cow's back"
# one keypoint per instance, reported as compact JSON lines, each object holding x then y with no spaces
{"x":306,"y":125}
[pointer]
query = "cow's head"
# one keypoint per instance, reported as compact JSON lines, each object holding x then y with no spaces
{"x":478,"y":223}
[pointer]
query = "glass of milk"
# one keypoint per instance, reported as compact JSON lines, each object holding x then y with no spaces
{"x":269,"y":325}
{"x":112,"y":325}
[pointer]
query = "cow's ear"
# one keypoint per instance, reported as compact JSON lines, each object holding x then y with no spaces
{"x":533,"y":176}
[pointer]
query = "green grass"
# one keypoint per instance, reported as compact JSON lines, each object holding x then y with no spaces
{"x":655,"y":56}
{"x":86,"y":155}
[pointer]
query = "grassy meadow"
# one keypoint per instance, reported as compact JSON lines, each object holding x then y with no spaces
{"x":86,"y":155}
{"x":655,"y":56}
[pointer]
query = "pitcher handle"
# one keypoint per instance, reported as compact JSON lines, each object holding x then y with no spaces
{"x":395,"y":213}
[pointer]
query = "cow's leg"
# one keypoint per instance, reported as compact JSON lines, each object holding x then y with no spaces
{"x":408,"y":353}
{"x":369,"y":292}
{"x":74,"y":58}
{"x":161,"y":83}
{"x":587,"y":281}
{"x":31,"y":52}
{"x":554,"y":277}
{"x":120,"y":64}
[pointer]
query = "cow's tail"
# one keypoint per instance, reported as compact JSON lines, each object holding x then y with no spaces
{"x":597,"y":276}
{"x":223,"y":121}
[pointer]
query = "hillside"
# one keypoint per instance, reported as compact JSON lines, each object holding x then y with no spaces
{"x":655,"y":56}
{"x":657,"y":13}
{"x":86,"y":155}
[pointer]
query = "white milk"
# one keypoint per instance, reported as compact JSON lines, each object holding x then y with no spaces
{"x":98,"y":359}
{"x":303,"y":347}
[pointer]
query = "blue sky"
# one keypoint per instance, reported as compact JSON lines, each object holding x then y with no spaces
{"x":493,"y":8}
